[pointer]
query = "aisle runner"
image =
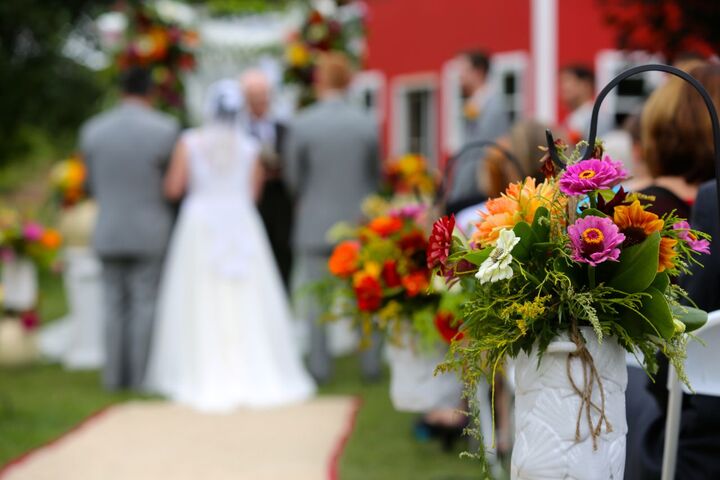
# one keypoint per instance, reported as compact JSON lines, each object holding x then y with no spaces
{"x":154,"y":441}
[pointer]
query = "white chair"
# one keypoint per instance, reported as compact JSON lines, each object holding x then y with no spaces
{"x":704,"y":379}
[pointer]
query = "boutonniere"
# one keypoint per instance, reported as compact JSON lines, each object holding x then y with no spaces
{"x":471,"y":110}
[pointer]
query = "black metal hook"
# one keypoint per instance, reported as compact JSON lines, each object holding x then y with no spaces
{"x":673,"y":71}
{"x":449,"y":166}
{"x":552,"y":149}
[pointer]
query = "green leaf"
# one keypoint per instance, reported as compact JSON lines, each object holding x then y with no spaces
{"x":477,"y":257}
{"x":654,"y":317}
{"x":637,"y":267}
{"x":661,"y":282}
{"x":592,"y":211}
{"x":693,"y":318}
{"x":541,"y":224}
{"x":607,"y":194}
{"x":527,"y":237}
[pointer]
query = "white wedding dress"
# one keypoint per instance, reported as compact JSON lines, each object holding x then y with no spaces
{"x":224,"y":337}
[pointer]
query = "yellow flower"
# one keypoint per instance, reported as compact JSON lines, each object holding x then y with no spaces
{"x":297,"y":54}
{"x":635,"y":221}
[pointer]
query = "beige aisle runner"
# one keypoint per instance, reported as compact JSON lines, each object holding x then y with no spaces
{"x":159,"y":441}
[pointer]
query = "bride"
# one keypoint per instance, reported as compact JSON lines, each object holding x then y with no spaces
{"x":223,"y":336}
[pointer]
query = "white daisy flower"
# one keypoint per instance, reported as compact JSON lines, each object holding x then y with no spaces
{"x":497,"y":266}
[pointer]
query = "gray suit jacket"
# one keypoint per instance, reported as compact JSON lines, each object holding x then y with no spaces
{"x":332,"y":164}
{"x":492,"y":123}
{"x":126,"y":150}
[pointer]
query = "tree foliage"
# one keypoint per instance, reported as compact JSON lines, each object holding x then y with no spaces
{"x":43,"y":89}
{"x":673,"y":27}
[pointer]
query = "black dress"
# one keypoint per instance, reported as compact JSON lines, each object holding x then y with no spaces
{"x":699,"y":442}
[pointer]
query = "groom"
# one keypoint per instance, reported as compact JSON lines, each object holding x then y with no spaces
{"x":126,"y":150}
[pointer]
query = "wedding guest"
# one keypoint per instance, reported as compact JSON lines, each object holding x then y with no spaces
{"x":577,"y":93}
{"x":676,"y":139}
{"x":485,"y":118}
{"x":275,"y":204}
{"x":126,"y":150}
{"x":333,"y":163}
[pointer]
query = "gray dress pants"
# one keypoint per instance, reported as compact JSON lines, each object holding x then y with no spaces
{"x":130,"y":289}
{"x":311,"y":267}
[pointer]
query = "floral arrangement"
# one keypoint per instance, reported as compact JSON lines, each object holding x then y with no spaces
{"x":320,"y":33}
{"x":25,"y":238}
{"x":411,"y":174}
{"x":380,"y":273}
{"x":571,"y":251}
{"x":68,"y":181}
{"x":165,"y":48}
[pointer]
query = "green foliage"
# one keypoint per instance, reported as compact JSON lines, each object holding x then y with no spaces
{"x":637,"y":267}
{"x":43,"y":90}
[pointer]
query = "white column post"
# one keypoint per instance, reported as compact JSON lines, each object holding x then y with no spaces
{"x":544,"y":25}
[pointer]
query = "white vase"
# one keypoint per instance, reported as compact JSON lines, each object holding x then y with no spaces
{"x":20,"y":284}
{"x":546,"y":414}
{"x":414,"y":387}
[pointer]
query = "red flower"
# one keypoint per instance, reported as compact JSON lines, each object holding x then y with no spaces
{"x":30,"y":320}
{"x":448,"y":326}
{"x":369,"y":293}
{"x":413,"y":241}
{"x":390,"y":274}
{"x":415,"y":283}
{"x":438,"y":249}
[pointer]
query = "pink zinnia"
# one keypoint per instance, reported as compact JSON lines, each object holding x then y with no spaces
{"x":595,"y":240}
{"x":32,"y":231}
{"x":590,"y":175}
{"x":699,"y":245}
{"x":413,"y":212}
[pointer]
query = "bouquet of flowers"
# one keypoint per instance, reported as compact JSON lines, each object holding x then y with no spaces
{"x":573,"y":251}
{"x":318,"y":34}
{"x":29,"y":239}
{"x":68,"y":181}
{"x":166,"y":49}
{"x":411,"y":174}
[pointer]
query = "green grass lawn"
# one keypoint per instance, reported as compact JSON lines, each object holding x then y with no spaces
{"x":40,"y":402}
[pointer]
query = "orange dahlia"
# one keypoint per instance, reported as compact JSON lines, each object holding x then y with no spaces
{"x":519,"y":203}
{"x":667,"y":254}
{"x":51,"y":239}
{"x":344,"y":259}
{"x":385,"y":226}
{"x":415,"y":283}
{"x":635,"y":222}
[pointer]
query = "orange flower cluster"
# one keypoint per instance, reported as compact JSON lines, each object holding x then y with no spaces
{"x":519,"y":203}
{"x":68,"y":180}
{"x":386,"y":261}
{"x":411,"y":174}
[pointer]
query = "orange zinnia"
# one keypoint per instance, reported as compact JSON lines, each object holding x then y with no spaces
{"x":344,"y":259}
{"x":385,"y":226}
{"x":51,"y":239}
{"x":667,"y":254}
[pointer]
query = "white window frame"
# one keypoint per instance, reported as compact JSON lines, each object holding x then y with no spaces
{"x":401,"y":86}
{"x":373,"y":81}
{"x":518,"y":63}
{"x":515,"y":61}
{"x":609,"y":63}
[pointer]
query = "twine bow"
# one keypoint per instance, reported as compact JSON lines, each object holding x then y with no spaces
{"x":585,"y":391}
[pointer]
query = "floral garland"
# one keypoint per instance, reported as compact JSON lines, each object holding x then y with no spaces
{"x":166,"y":49}
{"x":319,"y":34}
{"x":571,"y":251}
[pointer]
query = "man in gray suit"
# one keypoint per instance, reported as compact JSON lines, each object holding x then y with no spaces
{"x":333,"y":163}
{"x":126,"y":150}
{"x":486,"y":118}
